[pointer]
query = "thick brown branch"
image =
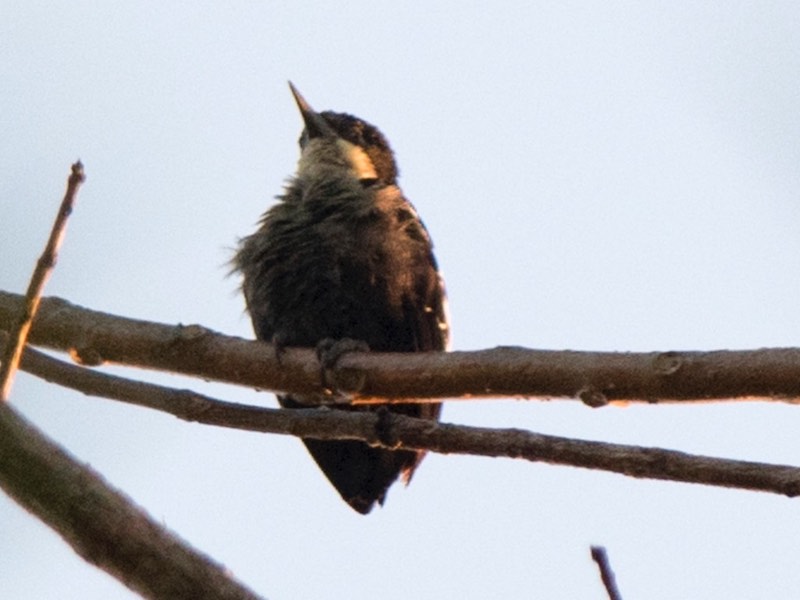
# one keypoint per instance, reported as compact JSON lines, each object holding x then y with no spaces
{"x":101,"y":524}
{"x":19,"y":332}
{"x":595,"y":377}
{"x":406,"y":432}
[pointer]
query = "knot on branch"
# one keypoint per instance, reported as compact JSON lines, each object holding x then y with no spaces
{"x":385,"y":426}
{"x":667,"y":363}
{"x":86,"y":356}
{"x":85,"y":351}
{"x":190,"y":333}
{"x":792,"y":488}
{"x":592,"y":397}
{"x":192,"y":339}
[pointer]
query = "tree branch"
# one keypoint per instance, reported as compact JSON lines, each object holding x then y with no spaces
{"x":600,"y":556}
{"x":102,"y":525}
{"x":396,"y":431}
{"x":44,"y":267}
{"x":596,"y":378}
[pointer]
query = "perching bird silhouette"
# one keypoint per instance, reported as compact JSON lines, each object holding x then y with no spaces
{"x":344,"y":256}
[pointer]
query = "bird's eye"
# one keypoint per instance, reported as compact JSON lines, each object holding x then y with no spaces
{"x":368,"y":181}
{"x":303,"y":139}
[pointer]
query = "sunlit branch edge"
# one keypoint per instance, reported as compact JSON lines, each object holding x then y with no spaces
{"x":596,"y":378}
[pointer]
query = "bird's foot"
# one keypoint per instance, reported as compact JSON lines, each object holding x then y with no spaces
{"x":337,"y":381}
{"x":384,"y":428}
{"x":279,"y":345}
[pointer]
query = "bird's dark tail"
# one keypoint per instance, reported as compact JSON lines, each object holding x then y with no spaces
{"x":360,"y":473}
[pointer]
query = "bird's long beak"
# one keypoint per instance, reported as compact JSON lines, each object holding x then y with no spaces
{"x":316,"y":126}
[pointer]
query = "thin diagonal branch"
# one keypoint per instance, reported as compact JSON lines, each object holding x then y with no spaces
{"x":418,"y":434}
{"x":600,"y":556}
{"x":44,"y":267}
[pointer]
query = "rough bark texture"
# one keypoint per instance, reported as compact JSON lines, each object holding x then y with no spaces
{"x":596,"y":378}
{"x":396,"y":431}
{"x":102,"y":525}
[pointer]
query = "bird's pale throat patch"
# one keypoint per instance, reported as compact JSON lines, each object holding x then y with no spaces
{"x":321,"y":154}
{"x":360,"y":163}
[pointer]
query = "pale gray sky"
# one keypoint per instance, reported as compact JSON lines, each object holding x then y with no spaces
{"x":596,"y":176}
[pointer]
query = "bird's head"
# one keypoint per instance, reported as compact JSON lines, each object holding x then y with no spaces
{"x":332,"y":140}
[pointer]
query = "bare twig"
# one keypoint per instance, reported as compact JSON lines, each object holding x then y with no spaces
{"x":654,"y":463}
{"x":103,"y":526}
{"x":600,"y":556}
{"x":44,"y":267}
{"x":596,"y":378}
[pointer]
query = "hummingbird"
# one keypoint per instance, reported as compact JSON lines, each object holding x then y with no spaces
{"x":343,"y":256}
